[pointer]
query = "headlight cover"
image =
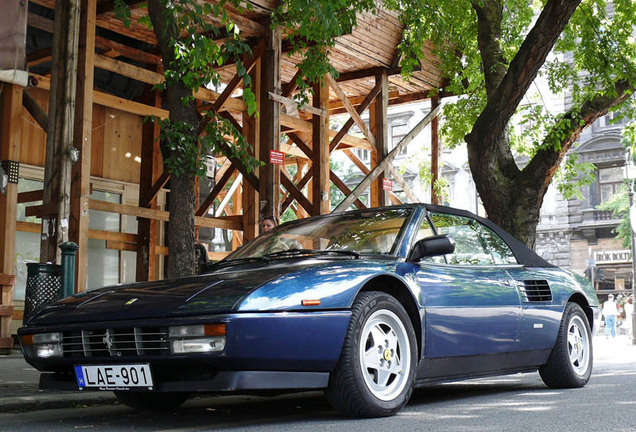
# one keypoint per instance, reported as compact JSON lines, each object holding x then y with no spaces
{"x":200,"y":338}
{"x":43,"y":345}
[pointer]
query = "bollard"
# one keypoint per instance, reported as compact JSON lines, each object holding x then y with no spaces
{"x":68,"y":268}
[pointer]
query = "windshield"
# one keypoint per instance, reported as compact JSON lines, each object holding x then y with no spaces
{"x":371,"y":232}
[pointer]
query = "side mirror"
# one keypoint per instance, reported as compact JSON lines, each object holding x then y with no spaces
{"x":432,"y":246}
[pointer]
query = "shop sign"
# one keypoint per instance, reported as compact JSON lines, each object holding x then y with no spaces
{"x":613,"y":256}
{"x":387,"y":184}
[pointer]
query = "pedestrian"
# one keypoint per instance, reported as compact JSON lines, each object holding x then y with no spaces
{"x":629,"y":309}
{"x":610,"y":310}
{"x":268,"y":223}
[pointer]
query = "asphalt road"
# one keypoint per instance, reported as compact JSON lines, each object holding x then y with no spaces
{"x":512,"y":403}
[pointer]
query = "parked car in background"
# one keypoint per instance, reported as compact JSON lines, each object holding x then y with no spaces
{"x":365,"y":304}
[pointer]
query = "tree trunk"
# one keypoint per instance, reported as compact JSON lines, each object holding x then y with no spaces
{"x":182,"y":261}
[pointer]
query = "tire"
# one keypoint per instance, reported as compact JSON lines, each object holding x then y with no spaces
{"x":570,"y":362}
{"x":152,"y":401}
{"x":375,"y":373}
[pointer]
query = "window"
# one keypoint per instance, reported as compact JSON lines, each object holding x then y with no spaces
{"x":398,"y":132}
{"x":499,"y":250}
{"x":103,"y":262}
{"x":609,"y":180}
{"x":470,"y":247}
{"x":475,"y":244}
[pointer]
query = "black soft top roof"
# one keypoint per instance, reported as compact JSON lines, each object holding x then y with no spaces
{"x":524,"y":254}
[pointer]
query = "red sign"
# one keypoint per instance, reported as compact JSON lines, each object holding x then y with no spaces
{"x":276,"y":157}
{"x":387,"y":184}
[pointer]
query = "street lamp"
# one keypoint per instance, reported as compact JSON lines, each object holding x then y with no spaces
{"x":630,"y":174}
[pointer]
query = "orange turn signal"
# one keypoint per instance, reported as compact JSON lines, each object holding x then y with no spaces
{"x":310,"y":302}
{"x":27,"y":339}
{"x":218,"y":329}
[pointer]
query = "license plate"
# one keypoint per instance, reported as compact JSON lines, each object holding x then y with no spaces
{"x":114,"y":377}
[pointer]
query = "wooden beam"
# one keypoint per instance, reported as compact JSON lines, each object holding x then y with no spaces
{"x":224,"y":223}
{"x":30,"y":196}
{"x":270,"y":122}
{"x":82,"y":140}
{"x":410,"y":194}
{"x":351,"y":109}
{"x":152,"y":178}
{"x":342,"y":133}
{"x":387,"y":160}
{"x":118,"y":49}
{"x":128,"y":70}
{"x":10,"y":138}
{"x":336,"y":107}
{"x":36,"y":111}
{"x":290,"y":102}
{"x":378,"y":120}
{"x":251,"y":132}
{"x":248,"y":175}
{"x":367,"y":73}
{"x":294,"y":191}
{"x":59,"y":140}
{"x":231,"y":87}
{"x":344,"y":188}
{"x":306,"y":149}
{"x":227,"y":174}
{"x":300,"y":186}
{"x":435,"y":154}
{"x":289,"y":88}
{"x":229,"y":194}
{"x":156,"y":187}
{"x":320,"y":147}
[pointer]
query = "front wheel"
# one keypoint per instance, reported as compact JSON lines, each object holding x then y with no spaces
{"x":374,"y":376}
{"x":570,"y":363}
{"x":152,"y":401}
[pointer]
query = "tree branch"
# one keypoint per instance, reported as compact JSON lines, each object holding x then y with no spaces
{"x":489,"y":18}
{"x":546,"y":161}
{"x":523,"y":69}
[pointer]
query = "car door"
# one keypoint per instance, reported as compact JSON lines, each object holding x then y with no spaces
{"x":472,"y":306}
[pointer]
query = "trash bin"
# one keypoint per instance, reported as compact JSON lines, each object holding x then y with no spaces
{"x":43,"y":286}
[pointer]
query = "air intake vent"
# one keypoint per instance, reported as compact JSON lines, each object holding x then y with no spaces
{"x":536,"y":291}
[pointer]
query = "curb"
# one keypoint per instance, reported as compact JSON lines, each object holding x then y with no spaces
{"x":43,"y":401}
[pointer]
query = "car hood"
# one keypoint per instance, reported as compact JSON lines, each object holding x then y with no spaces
{"x":277,"y":285}
{"x":213,"y":293}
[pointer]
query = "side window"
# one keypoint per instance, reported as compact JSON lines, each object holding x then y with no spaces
{"x":470,"y":246}
{"x":498,"y":248}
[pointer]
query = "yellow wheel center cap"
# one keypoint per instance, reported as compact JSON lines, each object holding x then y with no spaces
{"x":387,"y":355}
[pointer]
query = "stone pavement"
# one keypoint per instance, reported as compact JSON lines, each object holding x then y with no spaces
{"x":19,"y":381}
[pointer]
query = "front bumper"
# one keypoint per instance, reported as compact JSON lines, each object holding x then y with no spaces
{"x":273,"y":350}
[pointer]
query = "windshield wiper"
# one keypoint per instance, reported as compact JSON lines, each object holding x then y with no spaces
{"x":295,"y":252}
{"x":237,"y":261}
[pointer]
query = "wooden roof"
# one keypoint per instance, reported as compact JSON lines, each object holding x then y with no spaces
{"x":357,"y":56}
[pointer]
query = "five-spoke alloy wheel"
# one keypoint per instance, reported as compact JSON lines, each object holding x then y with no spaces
{"x":375,"y":373}
{"x":570,"y":363}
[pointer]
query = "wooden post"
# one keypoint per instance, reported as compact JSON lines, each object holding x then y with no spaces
{"x":269,"y":111}
{"x":378,"y":119}
{"x":435,"y":153}
{"x":80,"y":186}
{"x":10,"y":138}
{"x":251,"y":132}
{"x":320,"y":150}
{"x":151,"y":169}
{"x":59,"y":140}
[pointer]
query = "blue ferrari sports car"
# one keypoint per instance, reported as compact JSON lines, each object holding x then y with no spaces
{"x":365,"y":305}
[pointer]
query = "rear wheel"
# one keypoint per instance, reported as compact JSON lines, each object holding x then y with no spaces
{"x":147,"y":401}
{"x":570,"y":363}
{"x":374,"y":376}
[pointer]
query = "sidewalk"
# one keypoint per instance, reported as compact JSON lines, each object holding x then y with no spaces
{"x":19,"y":389}
{"x":19,"y":381}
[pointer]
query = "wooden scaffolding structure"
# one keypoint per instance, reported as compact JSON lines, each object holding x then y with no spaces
{"x":40,"y":128}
